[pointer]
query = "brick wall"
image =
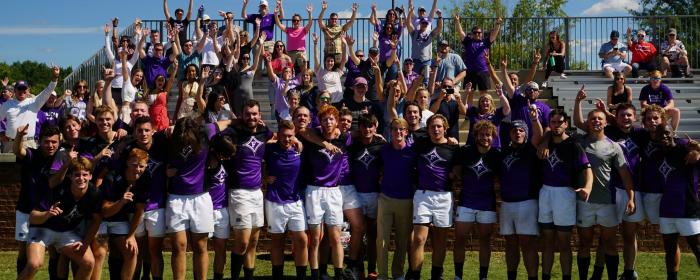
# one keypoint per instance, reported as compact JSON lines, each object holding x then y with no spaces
{"x":648,"y":238}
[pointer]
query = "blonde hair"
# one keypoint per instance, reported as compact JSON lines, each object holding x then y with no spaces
{"x":492,"y":108}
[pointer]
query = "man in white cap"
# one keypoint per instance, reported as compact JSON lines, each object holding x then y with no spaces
{"x":23,"y":109}
{"x":422,"y":14}
{"x":643,"y":52}
{"x":267,"y":23}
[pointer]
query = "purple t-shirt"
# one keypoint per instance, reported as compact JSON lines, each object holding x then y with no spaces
{"x":520,"y":173}
{"x":660,"y":96}
{"x":267,"y":24}
{"x":565,"y":162}
{"x":473,"y":53}
{"x":473,"y":116}
{"x":679,"y":184}
{"x":216,"y":181}
{"x":245,"y":169}
{"x":478,"y":177}
{"x":190,"y":166}
{"x":398,"y":180}
{"x":152,"y":67}
{"x":365,"y":164}
{"x":284,"y":165}
{"x":435,"y":162}
{"x":631,"y":144}
{"x":34,"y":177}
{"x":520,"y":111}
{"x":385,"y":42}
{"x":47,"y":116}
{"x":326,"y":167}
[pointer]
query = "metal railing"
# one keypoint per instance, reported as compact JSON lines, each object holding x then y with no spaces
{"x":518,"y":39}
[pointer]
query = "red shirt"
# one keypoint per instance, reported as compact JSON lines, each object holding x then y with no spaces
{"x":643,"y":52}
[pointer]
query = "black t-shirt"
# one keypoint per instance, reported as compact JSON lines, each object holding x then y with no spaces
{"x":373,"y":107}
{"x":366,"y":72}
{"x":114,"y":186}
{"x":36,"y":170}
{"x":450,"y":109}
{"x":74,"y":211}
{"x":182,"y":25}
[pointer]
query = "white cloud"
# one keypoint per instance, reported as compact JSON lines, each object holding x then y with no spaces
{"x":46,"y":30}
{"x":608,"y":6}
{"x":348,"y":13}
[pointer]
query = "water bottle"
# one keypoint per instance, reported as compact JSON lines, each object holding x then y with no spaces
{"x":552,"y":62}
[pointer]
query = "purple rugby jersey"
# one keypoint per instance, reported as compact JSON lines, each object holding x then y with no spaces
{"x":679,"y":184}
{"x":399,"y":179}
{"x":478,"y":177}
{"x":216,"y":181}
{"x":435,"y":162}
{"x":326,"y":167}
{"x":366,"y":165}
{"x":284,"y":165}
{"x":245,"y":168}
{"x":520,"y":174}
{"x":191,"y":167}
{"x":564,"y":163}
{"x":631,"y":144}
{"x":34,"y":177}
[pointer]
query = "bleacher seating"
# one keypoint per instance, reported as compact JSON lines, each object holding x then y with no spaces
{"x":686,"y":93}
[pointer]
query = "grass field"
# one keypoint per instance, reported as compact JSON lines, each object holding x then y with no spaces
{"x":649,"y":266}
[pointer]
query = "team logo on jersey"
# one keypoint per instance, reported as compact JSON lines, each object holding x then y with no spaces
{"x":220,"y":176}
{"x":553,"y":159}
{"x":509,"y":160}
{"x":480,"y":168}
{"x":366,"y":158}
{"x":152,"y":165}
{"x":73,"y":214}
{"x":327,"y":153}
{"x":650,"y":149}
{"x":186,"y":151}
{"x":628,"y":146}
{"x":433,"y":157}
{"x":666,"y":169}
{"x":253,"y":144}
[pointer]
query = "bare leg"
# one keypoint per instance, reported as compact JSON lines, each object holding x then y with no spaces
{"x":420,"y":235}
{"x":178,"y":259}
{"x":200,"y":255}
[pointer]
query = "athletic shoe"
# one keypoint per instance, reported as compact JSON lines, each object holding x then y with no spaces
{"x":563,"y":76}
{"x":372,"y":276}
{"x":544,"y":84}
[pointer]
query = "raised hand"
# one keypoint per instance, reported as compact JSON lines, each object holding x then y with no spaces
{"x":324,"y":5}
{"x":309,"y":8}
{"x":374,"y":6}
{"x":55,"y":71}
{"x":581,"y":95}
{"x":115,"y":22}
{"x":455,"y":15}
{"x":222,"y":14}
{"x":375,"y":36}
{"x":106,"y":29}
{"x":354,"y":7}
{"x":257,"y":22}
{"x":245,"y":2}
{"x":5,"y":81}
{"x":54,"y":210}
{"x":499,"y":20}
{"x":349,"y":40}
{"x":205,"y":72}
{"x":277,"y":9}
{"x":128,"y":195}
{"x":262,"y":38}
{"x":534,"y":113}
{"x":107,"y":73}
{"x":67,"y":92}
{"x":537,"y":56}
{"x":22,"y":130}
{"x":314,"y":37}
{"x":487,"y":56}
{"x":146,"y":32}
{"x":504,"y":62}
{"x":438,"y":12}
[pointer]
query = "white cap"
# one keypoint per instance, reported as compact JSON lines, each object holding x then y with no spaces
{"x":206,"y":17}
{"x":263,"y":2}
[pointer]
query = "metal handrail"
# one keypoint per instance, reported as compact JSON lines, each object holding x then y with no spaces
{"x":518,"y":40}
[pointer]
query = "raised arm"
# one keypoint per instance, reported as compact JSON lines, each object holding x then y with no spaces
{"x":107,"y":95}
{"x":408,"y":21}
{"x":244,"y":15}
{"x":436,"y":32}
{"x":317,"y":64}
{"x":629,"y":37}
{"x":496,"y":30}
{"x":379,"y":80}
{"x":268,"y":65}
{"x":142,"y":42}
{"x":198,"y":34}
{"x":458,"y":26}
{"x":373,"y":16}
{"x":417,"y":83}
{"x":171,"y":80}
{"x":321,"y":25}
{"x":177,"y":49}
{"x":277,"y":20}
{"x":203,"y":41}
{"x":189,"y":12}
{"x":165,"y":10}
{"x":351,"y":53}
{"x":533,"y":67}
{"x":578,"y":112}
{"x":537,"y":130}
{"x":18,"y":147}
{"x":492,"y":72}
{"x":257,"y":34}
{"x":201,"y":103}
{"x":349,"y":24}
{"x":258,"y":51}
{"x":343,"y":53}
{"x":391,"y":105}
{"x":281,"y":7}
{"x":510,"y":87}
{"x":504,"y":100}
{"x":108,"y":45}
{"x":433,"y":9}
{"x":310,"y":22}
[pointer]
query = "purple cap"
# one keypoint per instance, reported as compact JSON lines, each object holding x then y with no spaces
{"x":21,"y":85}
{"x":424,"y":20}
{"x":360,"y":81}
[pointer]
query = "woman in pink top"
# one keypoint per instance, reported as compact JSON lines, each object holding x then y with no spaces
{"x":296,"y":35}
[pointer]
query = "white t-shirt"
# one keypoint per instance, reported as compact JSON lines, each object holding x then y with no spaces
{"x":18,"y":114}
{"x":424,"y":117}
{"x":209,"y":53}
{"x":330,"y":81}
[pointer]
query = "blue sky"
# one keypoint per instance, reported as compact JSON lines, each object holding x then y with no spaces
{"x":66,"y":32}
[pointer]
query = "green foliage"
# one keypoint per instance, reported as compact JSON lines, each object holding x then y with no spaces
{"x":38,"y":75}
{"x":665,"y":7}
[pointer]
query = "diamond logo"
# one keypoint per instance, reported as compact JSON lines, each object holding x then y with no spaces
{"x":480,"y":168}
{"x":666,"y":169}
{"x":366,"y":158}
{"x":253,"y":144}
{"x":433,"y":157}
{"x":509,"y":160}
{"x":553,"y":159}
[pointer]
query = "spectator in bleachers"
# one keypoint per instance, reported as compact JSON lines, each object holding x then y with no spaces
{"x":618,"y":92}
{"x":448,"y":65}
{"x":296,"y":35}
{"x":95,"y":99}
{"x":474,"y":45}
{"x":486,"y":110}
{"x":214,"y":106}
{"x":187,"y":54}
{"x":154,"y":65}
{"x":422,"y":39}
{"x":520,"y":105}
{"x":282,"y":83}
{"x":366,"y":68}
{"x":554,"y":61}
{"x":206,"y":33}
{"x":658,"y":93}
{"x":247,"y":45}
{"x":332,"y":31}
{"x":154,"y":38}
{"x":158,"y":100}
{"x":389,"y":34}
{"x":49,"y":114}
{"x":267,"y":24}
{"x":115,"y":59}
{"x":178,"y":23}
{"x":329,"y":76}
{"x":447,"y":101}
{"x":75,"y":100}
{"x":416,"y":19}
{"x":613,"y":54}
{"x":675,"y":56}
{"x":246,"y":73}
{"x":643,"y":52}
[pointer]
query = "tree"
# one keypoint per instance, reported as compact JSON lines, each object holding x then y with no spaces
{"x":38,"y":75}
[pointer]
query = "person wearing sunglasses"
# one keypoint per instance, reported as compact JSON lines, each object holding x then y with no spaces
{"x":643,"y":52}
{"x":474,"y":45}
{"x":178,"y":21}
{"x":675,"y":56}
{"x":332,"y":31}
{"x":658,"y":93}
{"x":296,"y":34}
{"x":422,"y":39}
{"x":618,"y":92}
{"x":267,"y":24}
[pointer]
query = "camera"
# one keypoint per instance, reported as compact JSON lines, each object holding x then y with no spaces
{"x":450,"y":90}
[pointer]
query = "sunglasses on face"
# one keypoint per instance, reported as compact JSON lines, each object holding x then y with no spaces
{"x":279,"y":46}
{"x":296,"y":20}
{"x":671,"y":35}
{"x":655,"y":79}
{"x":82,"y":86}
{"x":619,"y":79}
{"x":476,"y":32}
{"x":245,"y":58}
{"x":324,"y":99}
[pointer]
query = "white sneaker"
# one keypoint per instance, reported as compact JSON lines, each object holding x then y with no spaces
{"x":544,"y":84}
{"x":563,"y":76}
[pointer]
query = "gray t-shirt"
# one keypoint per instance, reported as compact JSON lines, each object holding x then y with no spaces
{"x":422,"y":45}
{"x":605,"y":156}
{"x":607,"y":47}
{"x":450,"y":66}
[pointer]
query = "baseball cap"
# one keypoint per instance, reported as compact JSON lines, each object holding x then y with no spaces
{"x":360,"y":81}
{"x":443,"y":42}
{"x":672,"y":31}
{"x":206,"y":17}
{"x":520,"y":124}
{"x":530,"y":85}
{"x":421,"y":8}
{"x":373,"y":50}
{"x":424,"y":20}
{"x":614,"y":34}
{"x":263,"y":2}
{"x":408,"y":60}
{"x":20,"y":85}
{"x":641,"y":32}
